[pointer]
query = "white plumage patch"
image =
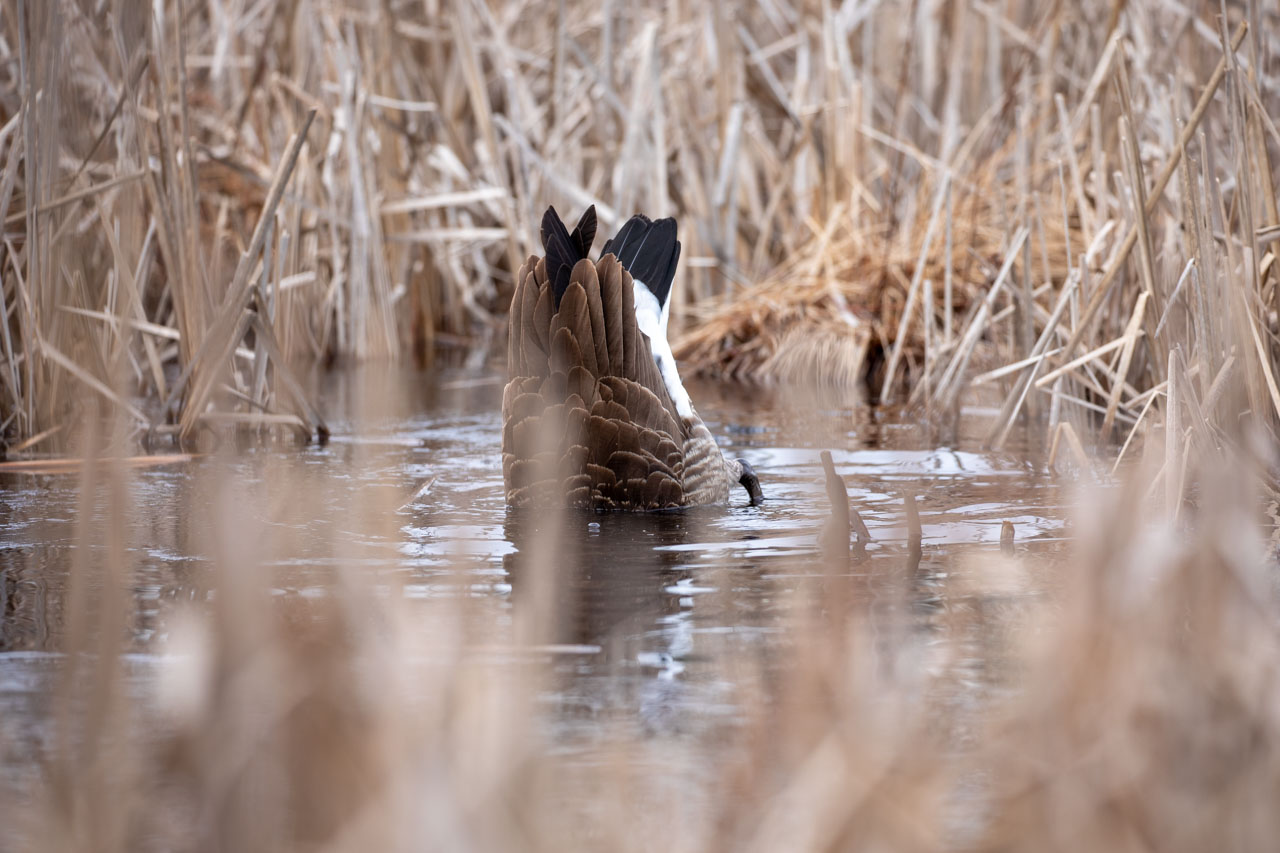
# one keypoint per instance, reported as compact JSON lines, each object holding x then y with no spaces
{"x":652,"y":320}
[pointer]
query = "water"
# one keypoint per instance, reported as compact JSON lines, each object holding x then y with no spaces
{"x":651,"y":614}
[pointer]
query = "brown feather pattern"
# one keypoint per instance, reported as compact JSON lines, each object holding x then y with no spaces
{"x":587,"y":419}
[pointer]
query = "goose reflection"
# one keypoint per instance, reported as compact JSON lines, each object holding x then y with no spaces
{"x":599,"y":579}
{"x":616,"y":590}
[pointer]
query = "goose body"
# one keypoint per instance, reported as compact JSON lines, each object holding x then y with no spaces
{"x":595,"y":414}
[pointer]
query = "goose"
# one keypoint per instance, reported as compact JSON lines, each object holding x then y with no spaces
{"x":594,"y":414}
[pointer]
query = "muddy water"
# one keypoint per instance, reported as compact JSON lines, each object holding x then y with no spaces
{"x":648,"y":614}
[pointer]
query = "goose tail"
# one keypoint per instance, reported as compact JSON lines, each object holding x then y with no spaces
{"x":649,"y":250}
{"x":586,"y":413}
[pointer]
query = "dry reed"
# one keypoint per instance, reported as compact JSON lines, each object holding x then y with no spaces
{"x":851,"y":182}
{"x":1026,"y":204}
{"x":1034,"y":181}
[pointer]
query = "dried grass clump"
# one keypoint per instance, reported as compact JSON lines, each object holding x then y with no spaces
{"x":821,"y":316}
{"x":1101,"y":197}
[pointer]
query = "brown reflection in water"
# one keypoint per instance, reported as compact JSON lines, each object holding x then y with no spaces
{"x":610,"y":571}
{"x":26,"y":605}
{"x":32,"y":585}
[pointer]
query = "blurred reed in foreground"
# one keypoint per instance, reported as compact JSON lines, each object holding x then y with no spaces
{"x":1129,"y":701}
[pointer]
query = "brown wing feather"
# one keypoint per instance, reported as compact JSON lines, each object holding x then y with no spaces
{"x":515,"y":322}
{"x":544,"y":309}
{"x":585,"y":272}
{"x":586,"y":411}
{"x":611,"y":299}
{"x":630,"y":331}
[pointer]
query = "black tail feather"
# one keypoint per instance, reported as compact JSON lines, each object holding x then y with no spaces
{"x":563,"y":249}
{"x":585,"y":234}
{"x":649,"y":251}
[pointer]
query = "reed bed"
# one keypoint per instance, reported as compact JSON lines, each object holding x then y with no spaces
{"x":1082,"y":225}
{"x":1073,"y":204}
{"x":201,"y":200}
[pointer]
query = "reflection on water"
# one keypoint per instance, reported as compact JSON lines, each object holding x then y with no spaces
{"x":648,"y":613}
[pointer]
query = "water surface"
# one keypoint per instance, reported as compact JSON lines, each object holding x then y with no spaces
{"x":651,"y":614}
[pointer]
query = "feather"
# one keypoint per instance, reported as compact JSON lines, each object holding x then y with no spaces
{"x":515,"y":319}
{"x":592,"y":337}
{"x":585,"y":232}
{"x":561,"y":252}
{"x":587,"y":415}
{"x":649,"y":251}
{"x":565,"y":250}
{"x":611,"y":303}
{"x":574,"y":319}
{"x":632,"y":231}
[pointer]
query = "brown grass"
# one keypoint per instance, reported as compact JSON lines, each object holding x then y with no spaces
{"x":1067,"y":214}
{"x":832,"y":167}
{"x":935,"y":195}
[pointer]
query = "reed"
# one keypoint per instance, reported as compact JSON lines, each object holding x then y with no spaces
{"x":161,"y":177}
{"x":1046,"y":205}
{"x":1070,"y":203}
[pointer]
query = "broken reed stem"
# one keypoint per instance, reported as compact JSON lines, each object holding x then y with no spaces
{"x":1173,"y":442}
{"x":229,"y":326}
{"x":1130,"y":339}
{"x":913,"y":291}
{"x":1013,"y":404}
{"x":949,"y":384}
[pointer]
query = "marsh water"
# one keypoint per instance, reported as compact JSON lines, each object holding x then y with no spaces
{"x":648,"y":615}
